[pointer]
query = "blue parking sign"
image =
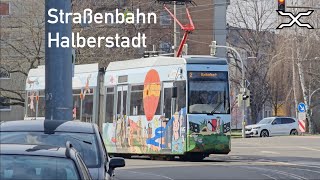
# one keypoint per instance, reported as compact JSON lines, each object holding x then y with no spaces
{"x":302,"y":107}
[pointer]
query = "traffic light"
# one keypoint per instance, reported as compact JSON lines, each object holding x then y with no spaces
{"x":282,"y":5}
{"x":247,"y":98}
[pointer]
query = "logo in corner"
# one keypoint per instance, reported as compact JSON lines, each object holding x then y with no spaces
{"x":295,"y":19}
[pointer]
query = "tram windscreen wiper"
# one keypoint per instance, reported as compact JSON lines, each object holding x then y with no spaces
{"x":216,"y":108}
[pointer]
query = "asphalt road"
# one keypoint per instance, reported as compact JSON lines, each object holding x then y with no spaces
{"x":296,"y":157}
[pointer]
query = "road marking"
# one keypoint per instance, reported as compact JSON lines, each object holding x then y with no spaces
{"x":279,"y":172}
{"x":312,"y":149}
{"x":295,"y":164}
{"x":269,"y":152}
{"x":135,"y":172}
{"x":269,"y":176}
{"x":307,"y":136}
{"x":270,"y":147}
{"x":186,"y":164}
{"x":318,"y":172}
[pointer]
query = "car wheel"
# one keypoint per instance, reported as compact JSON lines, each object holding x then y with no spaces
{"x":294,"y":132}
{"x":264,"y":133}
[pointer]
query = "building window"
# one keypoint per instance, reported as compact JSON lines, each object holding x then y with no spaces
{"x":4,"y":9}
{"x":4,"y":74}
{"x":165,"y":47}
{"x":165,"y":19}
{"x":3,"y":104}
{"x":5,"y":38}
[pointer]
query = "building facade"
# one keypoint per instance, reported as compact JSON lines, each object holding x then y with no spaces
{"x":21,"y":46}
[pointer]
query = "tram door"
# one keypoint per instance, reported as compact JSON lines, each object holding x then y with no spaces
{"x":168,"y":110}
{"x":121,"y":132}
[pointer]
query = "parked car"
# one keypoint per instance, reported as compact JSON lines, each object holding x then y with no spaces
{"x":85,"y":138}
{"x":272,"y":126}
{"x":31,"y":162}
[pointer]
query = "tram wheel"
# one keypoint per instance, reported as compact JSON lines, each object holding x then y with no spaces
{"x":169,"y":158}
{"x":193,"y":157}
{"x":152,"y":158}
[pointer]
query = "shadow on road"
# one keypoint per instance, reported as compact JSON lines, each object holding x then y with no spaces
{"x":176,"y":159}
{"x":244,"y":158}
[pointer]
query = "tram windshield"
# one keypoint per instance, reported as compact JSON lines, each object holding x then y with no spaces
{"x":208,"y":93}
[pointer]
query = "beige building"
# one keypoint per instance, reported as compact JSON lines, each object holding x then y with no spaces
{"x":21,"y":47}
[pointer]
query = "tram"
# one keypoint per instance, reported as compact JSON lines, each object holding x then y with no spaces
{"x":85,"y":93}
{"x":156,"y":106}
{"x":167,"y":106}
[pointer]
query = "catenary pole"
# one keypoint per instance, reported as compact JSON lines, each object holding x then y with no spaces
{"x":58,"y":66}
{"x":243,"y":109}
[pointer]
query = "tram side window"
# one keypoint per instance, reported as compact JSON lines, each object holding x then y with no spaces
{"x":31,"y":104}
{"x":124,"y":104}
{"x":87,"y":106}
{"x":181,"y":99}
{"x":76,"y":104}
{"x":41,"y":104}
{"x":119,"y":103}
{"x":109,"y":105}
{"x":167,"y":102}
{"x":136,"y":100}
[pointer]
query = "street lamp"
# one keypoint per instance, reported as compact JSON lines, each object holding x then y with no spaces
{"x":213,"y":47}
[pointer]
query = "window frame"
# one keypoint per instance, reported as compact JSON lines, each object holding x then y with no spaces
{"x":113,"y":104}
{"x":5,"y":78}
{"x":275,"y":120}
{"x":227,"y":92}
{"x":165,"y":17}
{"x":9,"y":9}
{"x":130,"y":96}
{"x":162,"y":45}
{"x":6,"y":109}
{"x":283,"y":120}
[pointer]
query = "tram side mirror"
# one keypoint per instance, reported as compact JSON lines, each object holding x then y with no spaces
{"x":174,"y":92}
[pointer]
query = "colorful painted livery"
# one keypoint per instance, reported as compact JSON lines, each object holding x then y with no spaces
{"x":167,"y":106}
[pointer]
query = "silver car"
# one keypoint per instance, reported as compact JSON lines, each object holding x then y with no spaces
{"x":85,"y":137}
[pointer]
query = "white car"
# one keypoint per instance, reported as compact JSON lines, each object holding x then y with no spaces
{"x":272,"y":126}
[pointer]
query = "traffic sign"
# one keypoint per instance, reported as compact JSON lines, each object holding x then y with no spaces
{"x":302,"y":121}
{"x":302,"y":107}
{"x":302,"y":126}
{"x":302,"y":116}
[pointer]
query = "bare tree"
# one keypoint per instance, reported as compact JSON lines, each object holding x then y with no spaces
{"x":104,"y":55}
{"x":24,"y":49}
{"x":304,"y":57}
{"x":251,"y":23}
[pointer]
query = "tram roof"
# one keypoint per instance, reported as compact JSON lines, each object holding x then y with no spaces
{"x":78,"y":69}
{"x":164,"y":61}
{"x":83,"y":74}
